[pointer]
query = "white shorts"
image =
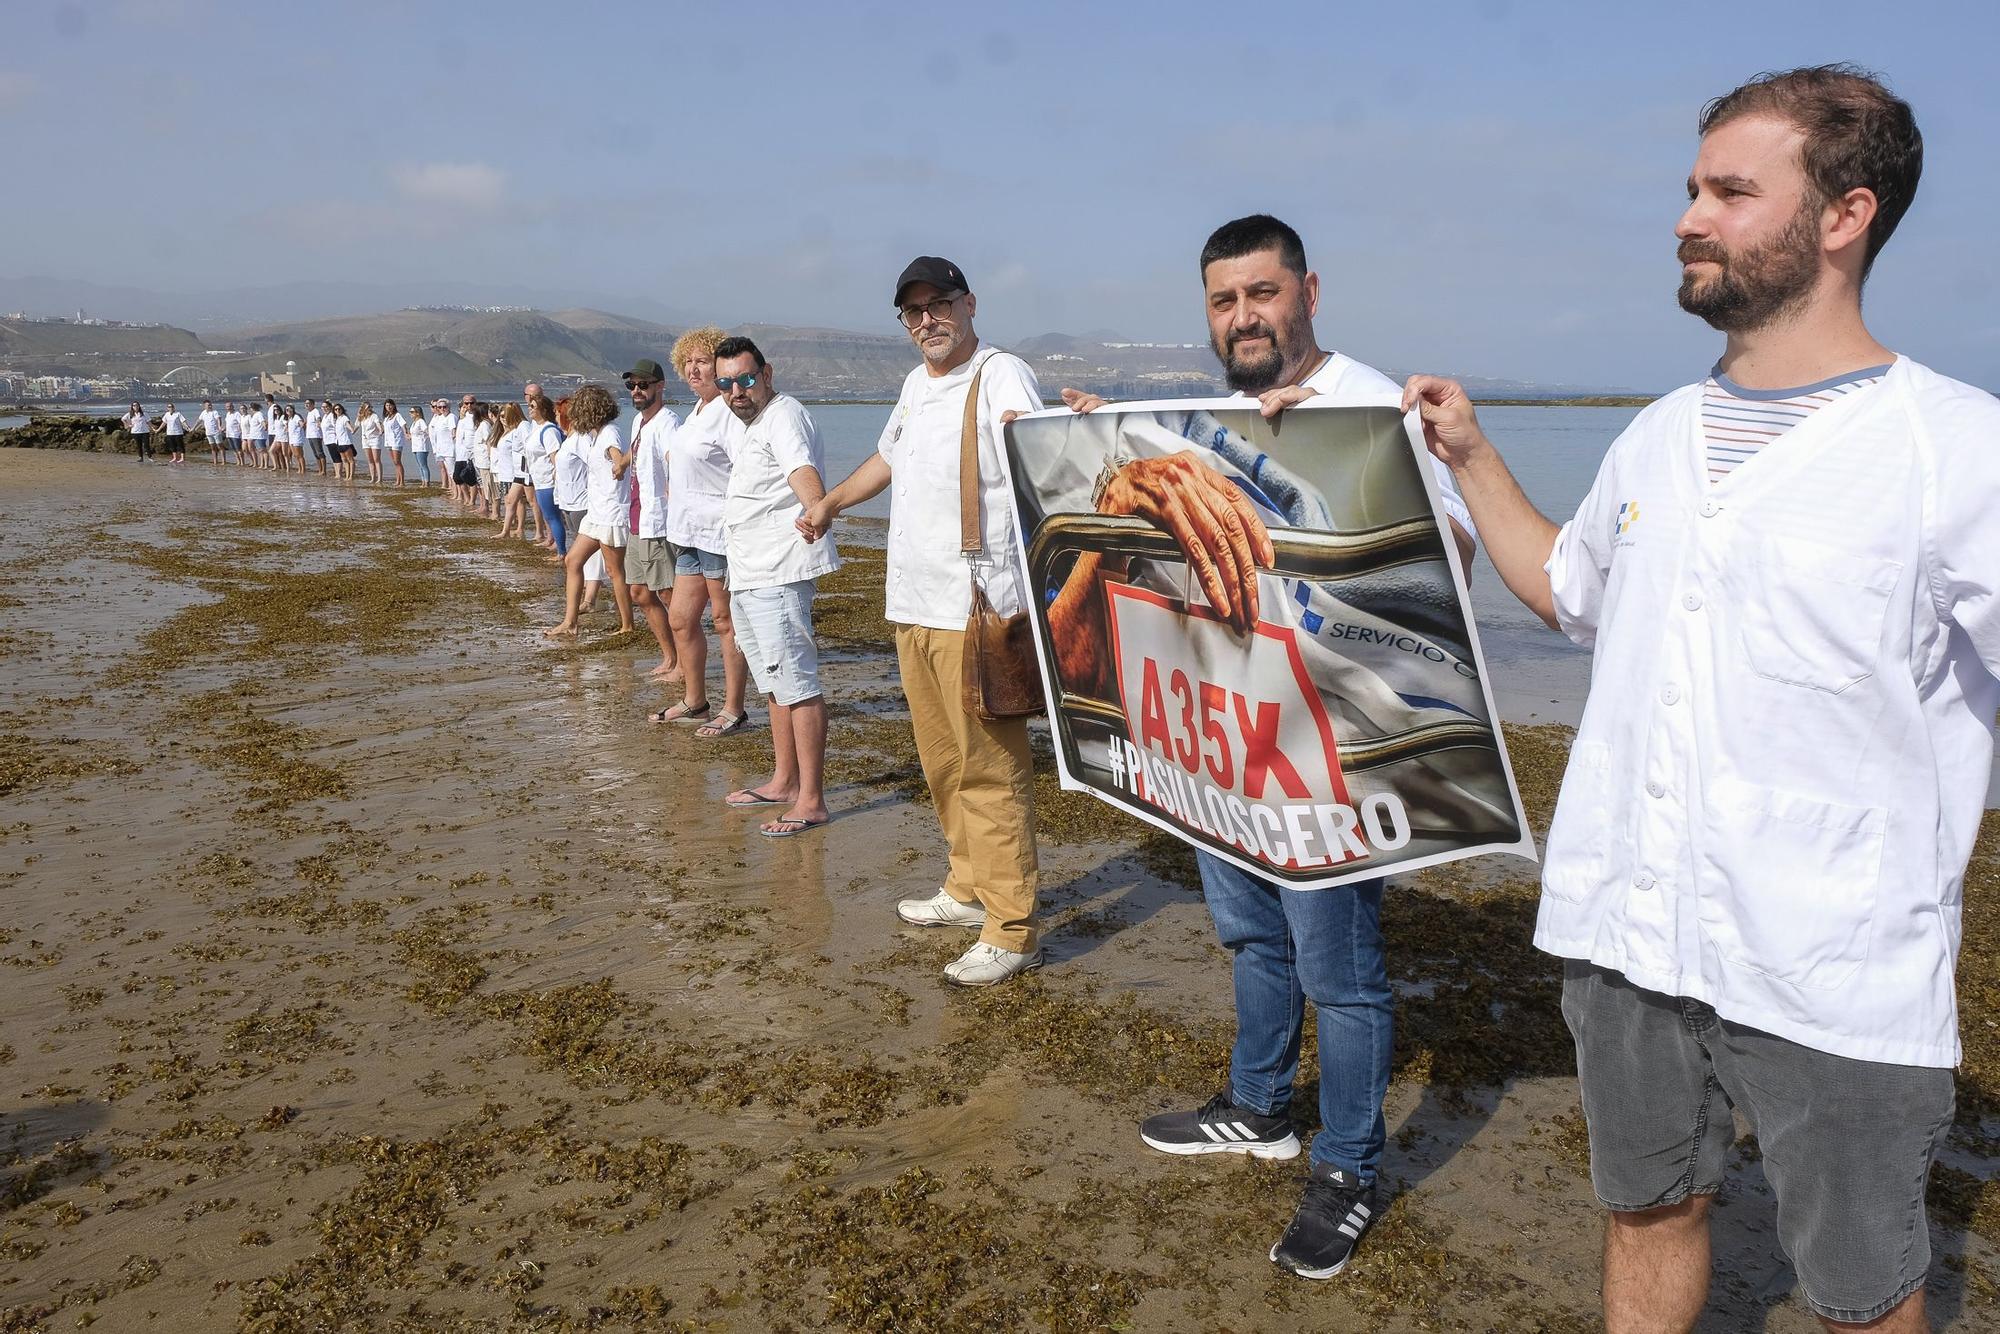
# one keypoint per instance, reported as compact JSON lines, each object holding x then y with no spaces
{"x":606,"y":534}
{"x":774,"y":629}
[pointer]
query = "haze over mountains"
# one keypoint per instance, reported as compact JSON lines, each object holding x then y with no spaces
{"x":455,"y":346}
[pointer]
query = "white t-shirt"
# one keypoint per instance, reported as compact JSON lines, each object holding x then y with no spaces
{"x":540,"y":446}
{"x":482,"y":445}
{"x":370,"y":428}
{"x":343,"y":431}
{"x":507,"y":454}
{"x":761,"y":512}
{"x":462,"y":438}
{"x":174,"y":424}
{"x":444,"y":435}
{"x":649,"y":470}
{"x":698,"y":475}
{"x":211,"y":423}
{"x":255,"y":427}
{"x":135,"y":422}
{"x":297,"y":426}
{"x":609,"y":497}
{"x":572,"y":473}
{"x":312,"y":423}
{"x":393,"y":435}
{"x":232,"y":425}
{"x":929,"y":579}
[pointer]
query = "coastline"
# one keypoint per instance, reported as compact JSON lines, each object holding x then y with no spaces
{"x":377,"y":964}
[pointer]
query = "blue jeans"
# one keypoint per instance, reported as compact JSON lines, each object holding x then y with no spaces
{"x":1291,"y":945}
{"x":552,"y":518}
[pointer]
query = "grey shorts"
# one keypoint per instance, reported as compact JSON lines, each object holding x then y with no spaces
{"x":774,"y":628}
{"x":649,"y":563}
{"x":1847,"y":1144}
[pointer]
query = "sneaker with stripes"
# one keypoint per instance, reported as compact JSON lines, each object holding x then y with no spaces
{"x":1336,"y":1210}
{"x":1219,"y":1126}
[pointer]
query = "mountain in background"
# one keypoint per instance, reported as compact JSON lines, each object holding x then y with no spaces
{"x":453,"y":349}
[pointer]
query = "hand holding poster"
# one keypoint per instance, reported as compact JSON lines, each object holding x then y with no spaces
{"x":1254,"y":635}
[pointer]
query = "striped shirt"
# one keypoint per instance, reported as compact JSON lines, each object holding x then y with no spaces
{"x":1737,"y":422}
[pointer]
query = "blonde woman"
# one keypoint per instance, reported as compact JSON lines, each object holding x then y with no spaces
{"x":517,"y":506}
{"x":697,"y":485}
{"x":593,"y":415}
{"x":369,"y":427}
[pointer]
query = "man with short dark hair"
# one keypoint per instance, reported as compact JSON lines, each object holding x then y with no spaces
{"x":1790,"y":577}
{"x":1287,"y":945}
{"x":210,"y":422}
{"x":649,"y":562}
{"x":775,"y":475}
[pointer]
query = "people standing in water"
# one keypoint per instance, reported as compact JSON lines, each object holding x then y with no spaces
{"x":697,"y":486}
{"x":649,"y":564}
{"x":420,"y":443}
{"x":544,"y":439}
{"x":395,"y":439}
{"x":593,"y":412}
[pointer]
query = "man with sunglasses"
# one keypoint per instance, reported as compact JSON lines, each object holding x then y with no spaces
{"x":980,"y":772}
{"x":774,"y":475}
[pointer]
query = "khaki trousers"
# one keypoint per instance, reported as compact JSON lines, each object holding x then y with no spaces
{"x":982,"y":782}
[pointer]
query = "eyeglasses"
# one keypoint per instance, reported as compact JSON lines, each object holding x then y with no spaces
{"x":913,"y":316}
{"x":640,"y":384}
{"x":729,"y":382}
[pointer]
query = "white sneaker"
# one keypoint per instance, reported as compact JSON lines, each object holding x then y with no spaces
{"x":940,"y":909}
{"x":983,"y":965}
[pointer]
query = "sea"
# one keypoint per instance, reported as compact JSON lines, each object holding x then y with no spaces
{"x":1554,"y":451}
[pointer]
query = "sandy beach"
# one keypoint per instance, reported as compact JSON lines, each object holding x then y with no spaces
{"x":370,"y":965}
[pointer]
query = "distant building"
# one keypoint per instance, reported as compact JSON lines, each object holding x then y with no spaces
{"x":287,"y":383}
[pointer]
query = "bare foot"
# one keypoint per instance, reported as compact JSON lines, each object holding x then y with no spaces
{"x":666,"y":671}
{"x":567,"y":630}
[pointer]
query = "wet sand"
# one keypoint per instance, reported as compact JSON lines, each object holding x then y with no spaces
{"x":370,"y":965}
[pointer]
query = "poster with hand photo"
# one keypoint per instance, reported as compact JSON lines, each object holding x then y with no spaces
{"x":1254,"y":635}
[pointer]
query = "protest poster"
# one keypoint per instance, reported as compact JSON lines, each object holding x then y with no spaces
{"x":1254,"y":635}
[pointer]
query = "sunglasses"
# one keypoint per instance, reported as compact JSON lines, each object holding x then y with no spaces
{"x":631,"y":383}
{"x":729,"y":382}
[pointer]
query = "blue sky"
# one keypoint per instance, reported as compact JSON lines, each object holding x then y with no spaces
{"x":1485,"y":188}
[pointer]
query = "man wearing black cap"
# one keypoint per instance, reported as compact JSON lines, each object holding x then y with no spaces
{"x":980,"y":772}
{"x":649,"y":563}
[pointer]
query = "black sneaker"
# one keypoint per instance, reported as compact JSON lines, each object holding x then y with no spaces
{"x":1218,"y":1126}
{"x":1336,"y":1210}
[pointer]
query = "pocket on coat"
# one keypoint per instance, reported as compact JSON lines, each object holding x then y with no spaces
{"x":1581,"y":835}
{"x":1811,"y":615}
{"x":1787,"y":886}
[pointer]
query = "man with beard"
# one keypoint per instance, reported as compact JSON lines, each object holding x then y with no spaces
{"x":1791,"y":578}
{"x":1286,"y":945}
{"x":980,"y":771}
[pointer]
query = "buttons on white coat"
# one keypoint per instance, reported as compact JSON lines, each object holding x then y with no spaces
{"x":1670,"y":694}
{"x":1656,"y":790}
{"x":1692,"y":601}
{"x":1709,"y":509}
{"x":1642,"y":881}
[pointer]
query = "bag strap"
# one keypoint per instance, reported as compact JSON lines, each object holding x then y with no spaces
{"x":972,"y":534}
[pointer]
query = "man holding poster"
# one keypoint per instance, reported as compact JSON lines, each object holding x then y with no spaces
{"x":1789,"y":575}
{"x":1258,"y":642}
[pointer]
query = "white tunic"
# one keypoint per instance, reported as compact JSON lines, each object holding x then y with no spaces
{"x":698,"y":475}
{"x":649,"y":471}
{"x":761,"y":515}
{"x":1784,"y":757}
{"x":928,"y":581}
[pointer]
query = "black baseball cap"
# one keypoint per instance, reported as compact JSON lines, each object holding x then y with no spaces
{"x":645,"y":369}
{"x":939,"y":273}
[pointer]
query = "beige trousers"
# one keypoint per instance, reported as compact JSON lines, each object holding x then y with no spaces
{"x":982,"y":782}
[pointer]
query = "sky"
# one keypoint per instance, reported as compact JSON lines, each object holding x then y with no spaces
{"x":1485,"y":188}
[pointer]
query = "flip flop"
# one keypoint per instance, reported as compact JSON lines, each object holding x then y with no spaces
{"x":756,"y":799}
{"x":676,"y":713}
{"x":723,"y":724}
{"x":788,"y":828}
